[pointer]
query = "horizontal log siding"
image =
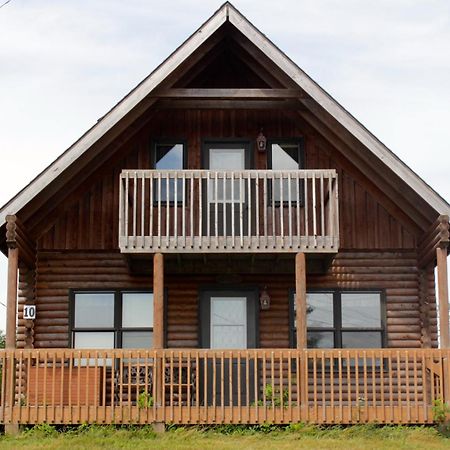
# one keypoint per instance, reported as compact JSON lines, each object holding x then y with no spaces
{"x":88,"y":219}
{"x":396,"y":272}
{"x":26,"y":295}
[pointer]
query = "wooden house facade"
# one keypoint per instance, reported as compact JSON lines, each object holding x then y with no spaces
{"x":226,"y":245}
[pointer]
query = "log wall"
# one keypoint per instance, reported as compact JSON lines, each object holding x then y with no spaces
{"x":396,"y":272}
{"x":26,"y":296}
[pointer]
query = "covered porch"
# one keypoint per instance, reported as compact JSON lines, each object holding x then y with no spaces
{"x":234,"y":386}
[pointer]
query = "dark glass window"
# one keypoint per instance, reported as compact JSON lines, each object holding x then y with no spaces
{"x":112,"y":319}
{"x":361,"y":339}
{"x":342,"y":319}
{"x":320,"y":339}
{"x":285,"y":155}
{"x":360,"y":309}
{"x":169,"y":156}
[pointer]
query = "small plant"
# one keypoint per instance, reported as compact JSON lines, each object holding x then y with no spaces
{"x":240,"y":429}
{"x":305,"y":429}
{"x":229,"y":429}
{"x":441,"y":417}
{"x":267,"y":428}
{"x":145,"y":400}
{"x":275,"y":397}
{"x":84,"y":428}
{"x":22,"y":400}
{"x":42,"y":429}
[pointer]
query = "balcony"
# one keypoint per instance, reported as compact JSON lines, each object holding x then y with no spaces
{"x":209,"y":211}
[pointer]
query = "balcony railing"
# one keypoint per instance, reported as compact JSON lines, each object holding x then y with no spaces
{"x":67,"y":386}
{"x":228,"y":211}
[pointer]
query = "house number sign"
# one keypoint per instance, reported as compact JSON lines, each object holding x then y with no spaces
{"x":29,"y":312}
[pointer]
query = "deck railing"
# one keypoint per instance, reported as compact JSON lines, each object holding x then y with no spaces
{"x":223,"y":386}
{"x":228,"y":211}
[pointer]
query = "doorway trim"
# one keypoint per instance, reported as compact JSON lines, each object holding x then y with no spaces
{"x":204,"y":311}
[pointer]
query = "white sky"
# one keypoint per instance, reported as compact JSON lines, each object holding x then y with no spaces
{"x":64,"y":63}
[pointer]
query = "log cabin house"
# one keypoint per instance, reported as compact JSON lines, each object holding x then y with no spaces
{"x":226,"y":245}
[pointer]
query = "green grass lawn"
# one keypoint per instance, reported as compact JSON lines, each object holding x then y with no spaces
{"x":298,"y":437}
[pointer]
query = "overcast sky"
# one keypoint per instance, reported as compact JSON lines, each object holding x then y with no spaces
{"x":64,"y":63}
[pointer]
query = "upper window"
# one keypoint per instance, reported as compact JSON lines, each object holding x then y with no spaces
{"x":226,"y":156}
{"x":342,"y":319}
{"x":112,"y":319}
{"x":169,"y":156}
{"x":285,"y":155}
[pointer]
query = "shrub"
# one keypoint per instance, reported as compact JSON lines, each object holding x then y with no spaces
{"x":441,"y":417}
{"x":145,"y":400}
{"x":43,"y":430}
{"x":276,"y":397}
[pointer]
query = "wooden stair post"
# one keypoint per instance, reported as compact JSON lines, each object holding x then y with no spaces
{"x":158,"y":333}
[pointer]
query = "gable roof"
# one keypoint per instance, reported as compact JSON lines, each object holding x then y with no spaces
{"x":140,"y":98}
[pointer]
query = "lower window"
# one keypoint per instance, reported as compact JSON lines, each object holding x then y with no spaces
{"x":342,"y":319}
{"x":111,"y":319}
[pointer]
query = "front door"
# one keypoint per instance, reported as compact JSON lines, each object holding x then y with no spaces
{"x":228,"y":320}
{"x":226,"y":200}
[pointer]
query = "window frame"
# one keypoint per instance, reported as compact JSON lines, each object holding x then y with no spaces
{"x":337,"y":328}
{"x":167,"y":142}
{"x":300,"y":141}
{"x":117,"y":328}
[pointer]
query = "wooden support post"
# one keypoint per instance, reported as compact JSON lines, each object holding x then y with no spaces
{"x":158,"y":330}
{"x":300,"y":299}
{"x":159,"y":427}
{"x":11,"y":318}
{"x":442,"y":279}
{"x":158,"y":300}
{"x":12,"y":429}
{"x":11,"y":298}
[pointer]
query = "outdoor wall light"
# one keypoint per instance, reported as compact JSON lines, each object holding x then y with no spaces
{"x":261,"y":141}
{"x":264,"y":299}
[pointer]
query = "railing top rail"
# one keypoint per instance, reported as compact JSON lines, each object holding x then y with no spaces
{"x":276,"y":353}
{"x":253,"y":173}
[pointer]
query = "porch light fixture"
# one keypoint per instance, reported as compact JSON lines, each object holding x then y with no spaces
{"x":261,"y":141}
{"x":264,"y":299}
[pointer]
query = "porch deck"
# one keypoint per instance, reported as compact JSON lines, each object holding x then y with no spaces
{"x":190,"y":386}
{"x":210,"y":211}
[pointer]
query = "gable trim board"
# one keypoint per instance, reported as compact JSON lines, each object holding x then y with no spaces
{"x":139,"y":99}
